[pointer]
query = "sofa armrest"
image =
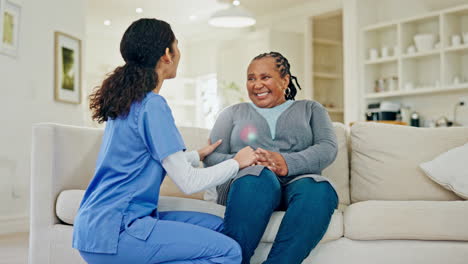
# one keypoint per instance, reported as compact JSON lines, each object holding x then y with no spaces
{"x":62,"y":157}
{"x":42,"y":175}
{"x":42,"y":212}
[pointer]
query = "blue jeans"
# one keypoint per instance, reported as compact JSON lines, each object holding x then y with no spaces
{"x":177,"y":238}
{"x":309,"y":206}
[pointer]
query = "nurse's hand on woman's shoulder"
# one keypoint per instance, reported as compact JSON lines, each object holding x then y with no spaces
{"x":246,"y":157}
{"x":205,"y":151}
{"x":273,"y":161}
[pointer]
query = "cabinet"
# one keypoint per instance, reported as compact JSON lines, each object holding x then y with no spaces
{"x":327,"y":68}
{"x":396,"y":67}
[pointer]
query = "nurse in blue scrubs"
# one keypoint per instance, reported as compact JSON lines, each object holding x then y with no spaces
{"x":118,"y":220}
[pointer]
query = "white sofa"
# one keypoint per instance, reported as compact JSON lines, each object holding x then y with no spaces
{"x":389,"y":212}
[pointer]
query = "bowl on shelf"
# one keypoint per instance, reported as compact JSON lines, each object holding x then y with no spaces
{"x":424,"y":42}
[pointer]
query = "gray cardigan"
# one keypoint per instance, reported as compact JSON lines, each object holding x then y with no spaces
{"x":305,"y":137}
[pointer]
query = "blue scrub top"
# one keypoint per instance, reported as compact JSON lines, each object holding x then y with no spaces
{"x":124,"y":192}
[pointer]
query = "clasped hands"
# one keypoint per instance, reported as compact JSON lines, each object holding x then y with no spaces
{"x":270,"y":159}
{"x":250,"y":157}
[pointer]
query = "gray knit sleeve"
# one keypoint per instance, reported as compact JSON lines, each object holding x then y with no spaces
{"x":221,"y":130}
{"x":322,"y":153}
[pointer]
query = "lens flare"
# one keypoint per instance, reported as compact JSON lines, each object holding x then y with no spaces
{"x":248,"y":134}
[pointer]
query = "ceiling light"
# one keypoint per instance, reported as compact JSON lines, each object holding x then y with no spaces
{"x":139,"y":10}
{"x":236,"y":2}
{"x":232,"y":17}
{"x":107,"y":22}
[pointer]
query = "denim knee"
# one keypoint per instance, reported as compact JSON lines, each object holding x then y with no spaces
{"x":309,"y":193}
{"x":262,"y":185}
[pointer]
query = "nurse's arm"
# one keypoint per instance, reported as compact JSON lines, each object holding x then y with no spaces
{"x":191,"y":180}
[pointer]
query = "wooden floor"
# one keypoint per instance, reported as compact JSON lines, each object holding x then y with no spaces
{"x":14,"y":248}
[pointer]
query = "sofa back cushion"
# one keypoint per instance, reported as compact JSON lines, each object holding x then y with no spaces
{"x":338,"y":171}
{"x":76,"y":150}
{"x":76,"y":167}
{"x":385,"y":161}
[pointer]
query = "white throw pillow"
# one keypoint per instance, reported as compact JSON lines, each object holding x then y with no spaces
{"x":68,"y":203}
{"x":450,"y":170}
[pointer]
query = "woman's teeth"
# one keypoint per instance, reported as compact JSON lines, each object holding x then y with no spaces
{"x":262,"y":94}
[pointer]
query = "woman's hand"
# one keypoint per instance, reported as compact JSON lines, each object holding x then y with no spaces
{"x":273,"y":161}
{"x":246,"y":157}
{"x":203,"y":152}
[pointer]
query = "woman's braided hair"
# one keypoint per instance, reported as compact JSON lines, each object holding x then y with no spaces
{"x":284,"y":69}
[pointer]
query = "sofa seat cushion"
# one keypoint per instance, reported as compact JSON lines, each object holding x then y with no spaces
{"x":334,"y":231}
{"x":422,"y":220}
{"x":60,"y":250}
{"x":68,"y":203}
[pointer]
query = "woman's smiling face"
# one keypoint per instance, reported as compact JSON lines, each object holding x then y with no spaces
{"x":264,"y":83}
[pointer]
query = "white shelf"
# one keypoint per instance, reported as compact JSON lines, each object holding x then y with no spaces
{"x":327,"y":63}
{"x":378,"y":27}
{"x":382,"y":60}
{"x":457,"y":48}
{"x":327,"y":42}
{"x":324,"y":75}
{"x":419,"y":91}
{"x":456,"y":87}
{"x":439,"y":65}
{"x":455,"y":9}
{"x":428,"y":16}
{"x":422,"y":54}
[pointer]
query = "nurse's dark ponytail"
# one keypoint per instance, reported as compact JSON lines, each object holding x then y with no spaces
{"x":142,"y":45}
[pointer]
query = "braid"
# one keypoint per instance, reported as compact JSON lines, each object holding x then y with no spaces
{"x":284,"y":69}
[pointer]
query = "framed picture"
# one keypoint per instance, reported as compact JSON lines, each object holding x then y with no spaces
{"x":67,"y":68}
{"x":9,"y":28}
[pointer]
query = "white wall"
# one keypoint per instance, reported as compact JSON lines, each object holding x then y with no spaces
{"x":200,"y":57}
{"x":203,"y":53}
{"x":234,"y":56}
{"x":103,"y":56}
{"x":360,"y":13}
{"x":286,"y":29}
{"x":27,"y":97}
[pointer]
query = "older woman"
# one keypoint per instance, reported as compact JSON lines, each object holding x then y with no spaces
{"x":294,"y":141}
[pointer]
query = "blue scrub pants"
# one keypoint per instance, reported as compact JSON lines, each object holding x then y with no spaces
{"x":177,"y":238}
{"x":309,"y":206}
